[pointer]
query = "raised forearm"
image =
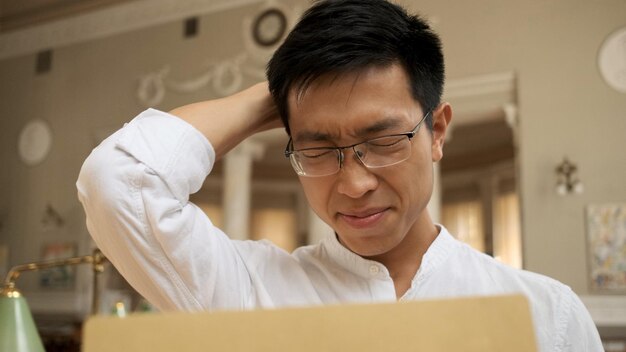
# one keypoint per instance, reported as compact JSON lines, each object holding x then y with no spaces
{"x":228,"y":121}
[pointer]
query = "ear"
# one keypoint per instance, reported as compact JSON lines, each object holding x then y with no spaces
{"x":442,"y":116}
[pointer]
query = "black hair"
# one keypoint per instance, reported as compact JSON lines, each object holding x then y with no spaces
{"x":345,"y":36}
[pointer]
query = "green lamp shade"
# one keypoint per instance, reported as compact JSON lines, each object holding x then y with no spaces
{"x":17,"y":328}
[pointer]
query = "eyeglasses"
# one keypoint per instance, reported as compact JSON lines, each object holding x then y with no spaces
{"x":372,"y":153}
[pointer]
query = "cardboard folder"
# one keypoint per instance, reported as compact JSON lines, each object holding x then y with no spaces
{"x":481,"y":324}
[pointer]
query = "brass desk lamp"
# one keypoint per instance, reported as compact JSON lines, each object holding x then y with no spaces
{"x":17,"y":328}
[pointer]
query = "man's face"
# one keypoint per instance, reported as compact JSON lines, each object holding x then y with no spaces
{"x":372,"y":210}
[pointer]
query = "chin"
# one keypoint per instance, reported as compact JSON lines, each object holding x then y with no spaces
{"x":368,"y":247}
{"x":372,"y":254}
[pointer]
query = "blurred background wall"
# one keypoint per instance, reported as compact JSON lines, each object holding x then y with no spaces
{"x":547,"y":49}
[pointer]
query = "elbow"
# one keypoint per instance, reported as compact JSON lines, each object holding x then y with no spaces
{"x":94,"y":173}
{"x":105,"y":179}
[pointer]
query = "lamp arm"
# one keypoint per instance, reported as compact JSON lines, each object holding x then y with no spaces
{"x":96,"y":259}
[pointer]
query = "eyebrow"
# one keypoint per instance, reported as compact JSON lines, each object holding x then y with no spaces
{"x":377,"y":127}
{"x":310,"y":136}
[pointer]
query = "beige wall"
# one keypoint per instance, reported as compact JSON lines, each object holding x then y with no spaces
{"x":91,"y":89}
{"x":565,"y":109}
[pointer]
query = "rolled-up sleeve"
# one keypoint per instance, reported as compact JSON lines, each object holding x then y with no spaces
{"x":135,"y":188}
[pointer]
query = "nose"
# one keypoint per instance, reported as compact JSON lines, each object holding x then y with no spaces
{"x":355,"y":179}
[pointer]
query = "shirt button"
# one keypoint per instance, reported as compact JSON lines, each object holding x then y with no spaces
{"x":374,"y":270}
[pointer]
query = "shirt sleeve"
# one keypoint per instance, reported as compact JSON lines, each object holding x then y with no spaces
{"x":579,"y":332}
{"x":135,"y":190}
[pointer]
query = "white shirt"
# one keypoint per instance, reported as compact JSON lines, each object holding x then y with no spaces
{"x":135,"y":190}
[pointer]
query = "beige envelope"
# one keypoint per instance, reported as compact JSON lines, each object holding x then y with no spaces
{"x":481,"y":324}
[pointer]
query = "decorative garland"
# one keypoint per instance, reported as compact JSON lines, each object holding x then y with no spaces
{"x":226,"y":76}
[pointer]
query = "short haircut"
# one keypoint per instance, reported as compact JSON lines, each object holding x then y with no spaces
{"x":347,"y":36}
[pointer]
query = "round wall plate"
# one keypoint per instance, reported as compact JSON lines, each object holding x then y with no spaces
{"x":269,"y":27}
{"x":34,"y":142}
{"x":612,"y":60}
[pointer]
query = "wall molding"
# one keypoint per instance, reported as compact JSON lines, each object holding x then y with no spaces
{"x":493,"y":83}
{"x":606,"y":311}
{"x":107,"y":22}
{"x":483,"y":98}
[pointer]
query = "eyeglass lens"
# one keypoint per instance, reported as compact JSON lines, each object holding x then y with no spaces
{"x":375,"y":153}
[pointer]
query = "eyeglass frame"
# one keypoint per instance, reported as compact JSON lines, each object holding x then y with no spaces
{"x":289,"y":149}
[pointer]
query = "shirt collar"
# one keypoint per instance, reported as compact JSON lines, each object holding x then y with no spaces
{"x":439,"y":251}
{"x":441,"y":248}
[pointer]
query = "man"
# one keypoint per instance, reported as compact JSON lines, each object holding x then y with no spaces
{"x":357,"y":85}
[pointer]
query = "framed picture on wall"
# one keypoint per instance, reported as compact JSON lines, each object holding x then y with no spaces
{"x":606,"y":239}
{"x":63,"y":277}
{"x":4,"y":260}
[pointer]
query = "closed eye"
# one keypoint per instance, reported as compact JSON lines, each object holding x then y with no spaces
{"x":313,"y":153}
{"x":389,"y":141}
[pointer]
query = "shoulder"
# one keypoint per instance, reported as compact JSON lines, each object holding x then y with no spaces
{"x":325,"y":258}
{"x":263,"y":255}
{"x":496,"y":274}
{"x":562,"y":323}
{"x":309,"y":253}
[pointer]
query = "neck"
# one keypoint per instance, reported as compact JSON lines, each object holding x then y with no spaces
{"x":405,"y":259}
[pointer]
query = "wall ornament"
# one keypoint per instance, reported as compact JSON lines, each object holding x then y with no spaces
{"x":225,"y":77}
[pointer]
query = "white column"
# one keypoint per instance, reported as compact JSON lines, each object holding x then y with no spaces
{"x":309,"y":223}
{"x":237,"y":188}
{"x":488,"y":192}
{"x":511,"y":117}
{"x":318,"y":229}
{"x":302,"y":212}
{"x":434,"y":205}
